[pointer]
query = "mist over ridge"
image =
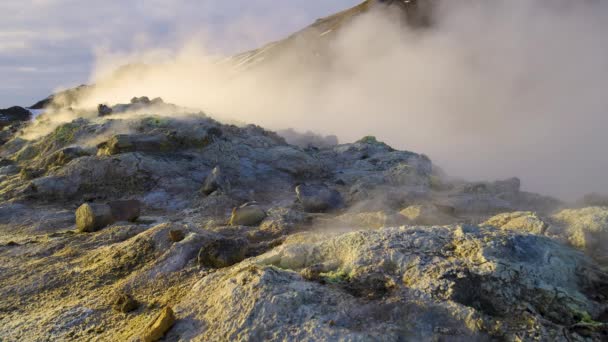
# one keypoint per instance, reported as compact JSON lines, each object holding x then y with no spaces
{"x":491,"y":90}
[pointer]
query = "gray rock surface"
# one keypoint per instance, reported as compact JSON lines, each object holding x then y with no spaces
{"x":353,"y":254}
{"x":318,"y":198}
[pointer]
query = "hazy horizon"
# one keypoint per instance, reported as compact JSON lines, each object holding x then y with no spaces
{"x":46,"y":45}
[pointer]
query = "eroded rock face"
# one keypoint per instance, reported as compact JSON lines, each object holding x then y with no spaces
{"x":586,"y":229}
{"x":467,"y":281}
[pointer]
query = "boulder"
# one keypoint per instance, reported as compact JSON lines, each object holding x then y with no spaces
{"x":318,"y":198}
{"x":523,"y":221}
{"x":214,"y":181}
{"x":104,"y":110}
{"x":128,"y":210}
{"x":222,"y":252}
{"x":249,"y":214}
{"x":91,"y":217}
{"x":157,"y":329}
{"x":427,"y":214}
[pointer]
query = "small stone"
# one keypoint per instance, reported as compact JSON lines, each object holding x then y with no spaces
{"x":103,"y":110}
{"x":247,"y":215}
{"x":124,"y":303}
{"x":128,"y":210}
{"x":176,"y":235}
{"x":91,"y":217}
{"x":214,"y":181}
{"x":157,"y":329}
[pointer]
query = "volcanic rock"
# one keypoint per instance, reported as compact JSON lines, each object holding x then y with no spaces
{"x":14,"y":114}
{"x":318,"y":198}
{"x":214,"y":181}
{"x":528,"y":222}
{"x":249,"y":214}
{"x":157,"y":329}
{"x":176,"y":235}
{"x":124,"y":303}
{"x":427,"y":214}
{"x":124,"y":143}
{"x":128,"y":210}
{"x":91,"y":217}
{"x":222,"y":252}
{"x":103,"y":110}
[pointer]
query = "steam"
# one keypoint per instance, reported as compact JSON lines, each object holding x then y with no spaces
{"x":495,"y":89}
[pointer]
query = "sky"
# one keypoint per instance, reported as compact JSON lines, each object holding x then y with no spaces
{"x":46,"y":45}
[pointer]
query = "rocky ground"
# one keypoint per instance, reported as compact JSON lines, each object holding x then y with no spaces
{"x":234,"y":234}
{"x":145,"y":221}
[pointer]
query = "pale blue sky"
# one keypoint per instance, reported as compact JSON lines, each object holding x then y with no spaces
{"x":46,"y":44}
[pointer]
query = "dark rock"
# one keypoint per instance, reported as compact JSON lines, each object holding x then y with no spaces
{"x":66,"y":155}
{"x":318,"y":198}
{"x":249,"y":214}
{"x":161,"y":324}
{"x":6,"y":162}
{"x":142,"y":100}
{"x":157,"y":101}
{"x":9,"y":170}
{"x":104,"y":110}
{"x":14,"y":114}
{"x":214,"y":181}
{"x":128,"y":210}
{"x":176,"y":235}
{"x":30,"y":173}
{"x":63,"y":99}
{"x":222,"y":252}
{"x":124,"y":303}
{"x":92,"y":217}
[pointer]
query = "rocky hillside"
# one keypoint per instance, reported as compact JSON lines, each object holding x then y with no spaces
{"x":196,"y":230}
{"x":146,"y":221}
